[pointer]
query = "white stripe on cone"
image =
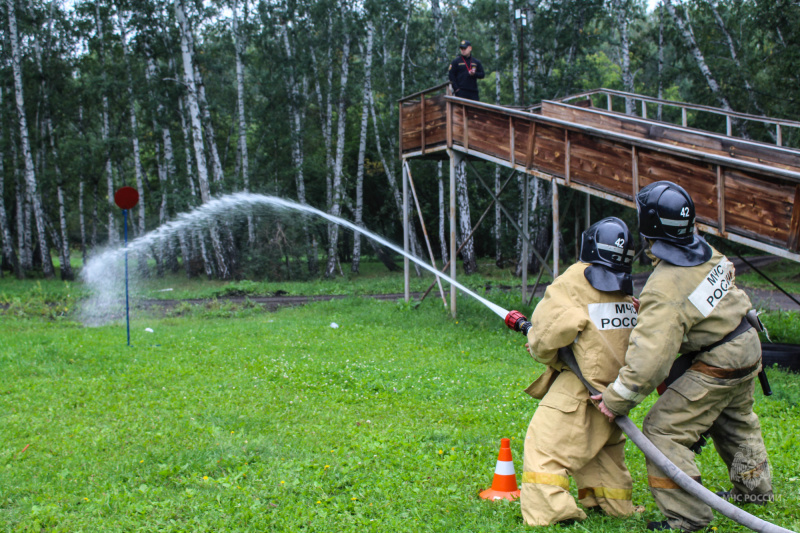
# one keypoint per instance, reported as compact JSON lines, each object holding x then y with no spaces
{"x":504,"y":468}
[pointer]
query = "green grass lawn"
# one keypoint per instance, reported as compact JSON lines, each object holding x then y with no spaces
{"x":229,"y":418}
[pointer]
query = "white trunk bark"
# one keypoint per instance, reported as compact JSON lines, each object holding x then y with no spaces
{"x":464,"y":220}
{"x":338,"y":185}
{"x":404,"y":50}
{"x":362,"y":149}
{"x":208,"y":127}
{"x":113,"y":236}
{"x":243,"y":155}
{"x":324,"y":101}
{"x":297,"y":120}
{"x":64,"y":252}
{"x":512,"y":21}
{"x":621,"y":8}
{"x":197,"y":134}
{"x":137,"y":159}
{"x":187,"y":149}
{"x":438,"y":29}
{"x":690,"y":42}
{"x":30,"y":176}
{"x":498,"y":252}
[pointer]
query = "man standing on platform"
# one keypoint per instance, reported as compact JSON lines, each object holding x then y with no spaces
{"x":464,"y":71}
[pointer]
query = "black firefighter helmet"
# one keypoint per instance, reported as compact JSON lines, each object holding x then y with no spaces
{"x":667,"y":217}
{"x":608,"y":246}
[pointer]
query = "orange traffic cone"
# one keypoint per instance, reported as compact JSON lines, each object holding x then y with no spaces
{"x":504,"y":484}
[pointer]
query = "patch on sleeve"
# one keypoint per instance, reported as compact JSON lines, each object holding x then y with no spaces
{"x":713,"y":288}
{"x":613,"y":315}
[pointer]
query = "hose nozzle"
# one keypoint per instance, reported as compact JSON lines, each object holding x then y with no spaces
{"x":518,"y":322}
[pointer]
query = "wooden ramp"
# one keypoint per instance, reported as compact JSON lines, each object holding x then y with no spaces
{"x":744,"y":191}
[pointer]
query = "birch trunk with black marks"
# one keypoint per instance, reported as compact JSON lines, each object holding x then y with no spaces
{"x":325,"y":101}
{"x":23,"y":222}
{"x":751,"y":95}
{"x":296,"y":117}
{"x":163,"y":252}
{"x":244,"y":164}
{"x":5,"y":233}
{"x":64,"y":252}
{"x":338,"y":164}
{"x":30,"y":175}
{"x":208,"y":127}
{"x":438,"y":29}
{"x":621,"y":8}
{"x":186,"y":240}
{"x":137,"y":158}
{"x":197,"y":136}
{"x":362,"y":148}
{"x":685,"y":28}
{"x":113,"y":236}
{"x":404,"y":50}
{"x":464,"y":220}
{"x":515,"y":83}
{"x":82,"y":193}
{"x":498,"y":251}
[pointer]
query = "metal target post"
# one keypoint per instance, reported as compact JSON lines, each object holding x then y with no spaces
{"x":126,"y":199}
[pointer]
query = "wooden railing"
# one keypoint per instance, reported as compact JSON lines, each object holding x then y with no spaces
{"x":730,"y":116}
{"x":745,"y":191}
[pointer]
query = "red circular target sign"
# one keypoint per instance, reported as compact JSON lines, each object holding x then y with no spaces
{"x":126,"y":197}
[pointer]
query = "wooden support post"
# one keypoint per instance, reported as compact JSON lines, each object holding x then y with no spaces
{"x":556,"y":229}
{"x":449,"y":114}
{"x":466,"y":127}
{"x":721,"y":199}
{"x":422,"y":123}
{"x":566,"y":156}
{"x":525,"y":216}
{"x":511,"y":155}
{"x":455,"y":159}
{"x":779,"y":134}
{"x":531,"y":146}
{"x":588,"y":210}
{"x":683,"y":117}
{"x":608,"y":102}
{"x":644,"y":109}
{"x":635,"y":171}
{"x":728,"y":126}
{"x":406,"y":277}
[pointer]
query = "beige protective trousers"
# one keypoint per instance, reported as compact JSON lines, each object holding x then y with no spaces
{"x":693,"y":404}
{"x":568,"y":436}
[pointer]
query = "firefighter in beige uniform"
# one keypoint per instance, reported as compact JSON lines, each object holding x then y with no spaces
{"x":690,"y":304}
{"x":589,"y":308}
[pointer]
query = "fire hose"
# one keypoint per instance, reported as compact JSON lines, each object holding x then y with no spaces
{"x":518,"y":322}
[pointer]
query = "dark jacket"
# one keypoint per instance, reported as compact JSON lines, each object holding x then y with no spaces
{"x":464,"y":84}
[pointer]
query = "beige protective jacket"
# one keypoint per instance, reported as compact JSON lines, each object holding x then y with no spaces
{"x":681,"y":309}
{"x":595,"y":324}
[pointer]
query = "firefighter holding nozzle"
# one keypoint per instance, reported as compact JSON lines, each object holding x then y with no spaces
{"x":590,"y":309}
{"x":691,"y":305}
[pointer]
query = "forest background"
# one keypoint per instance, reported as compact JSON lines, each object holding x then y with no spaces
{"x":187,"y":100}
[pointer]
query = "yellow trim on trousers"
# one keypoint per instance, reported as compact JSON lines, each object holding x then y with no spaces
{"x":546,"y":478}
{"x":605,"y":492}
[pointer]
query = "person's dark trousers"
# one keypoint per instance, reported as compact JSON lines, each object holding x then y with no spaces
{"x":469,"y":95}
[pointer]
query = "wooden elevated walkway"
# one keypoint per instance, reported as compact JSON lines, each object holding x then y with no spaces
{"x":744,"y":191}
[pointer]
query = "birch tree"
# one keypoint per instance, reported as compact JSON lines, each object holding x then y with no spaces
{"x":113,"y":237}
{"x":244,"y":165}
{"x":296,"y":117}
{"x":336,"y":201}
{"x":362,"y":147}
{"x":622,"y":11}
{"x":30,"y":175}
{"x":197,"y":134}
{"x":685,"y":29}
